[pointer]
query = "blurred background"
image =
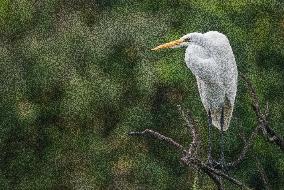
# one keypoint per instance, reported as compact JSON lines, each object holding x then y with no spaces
{"x":77,"y":75}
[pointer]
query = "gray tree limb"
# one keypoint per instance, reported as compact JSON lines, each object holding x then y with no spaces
{"x":190,"y":156}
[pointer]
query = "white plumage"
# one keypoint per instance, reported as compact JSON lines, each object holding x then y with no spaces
{"x":210,"y":58}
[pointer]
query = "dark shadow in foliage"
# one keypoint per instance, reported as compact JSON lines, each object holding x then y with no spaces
{"x":245,"y":18}
{"x":110,"y":118}
{"x":268,"y":58}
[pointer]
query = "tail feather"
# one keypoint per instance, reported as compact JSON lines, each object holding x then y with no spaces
{"x":216,"y":116}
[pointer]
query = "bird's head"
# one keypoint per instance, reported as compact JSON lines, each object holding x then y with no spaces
{"x":182,"y":42}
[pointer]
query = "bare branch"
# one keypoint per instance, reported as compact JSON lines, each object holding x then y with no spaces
{"x":266,"y":111}
{"x":191,"y":124}
{"x":262,"y":120}
{"x":262,"y":126}
{"x":187,"y":160}
{"x":271,"y":135}
{"x":243,"y":153}
{"x":190,"y":155}
{"x":207,"y":169}
{"x":158,"y":136}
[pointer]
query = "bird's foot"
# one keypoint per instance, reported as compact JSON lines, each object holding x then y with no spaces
{"x":220,"y":165}
{"x":210,"y":161}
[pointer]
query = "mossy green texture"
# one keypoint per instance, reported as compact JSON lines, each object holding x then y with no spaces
{"x":77,"y":76}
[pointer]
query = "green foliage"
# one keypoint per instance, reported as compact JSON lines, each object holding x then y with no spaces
{"x":77,"y":76}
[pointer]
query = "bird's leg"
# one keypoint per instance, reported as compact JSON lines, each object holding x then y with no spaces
{"x":222,"y":159}
{"x":210,"y":161}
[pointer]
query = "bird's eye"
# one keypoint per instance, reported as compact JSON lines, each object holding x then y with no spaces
{"x":187,"y":40}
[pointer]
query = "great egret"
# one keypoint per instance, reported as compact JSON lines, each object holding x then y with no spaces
{"x":210,"y":58}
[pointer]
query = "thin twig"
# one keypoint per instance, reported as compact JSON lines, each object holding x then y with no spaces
{"x":262,"y":120}
{"x":266,"y":111}
{"x":191,"y":125}
{"x":190,"y":160}
{"x":244,"y":151}
{"x":207,"y":169}
{"x":271,"y":135}
{"x":158,"y":136}
{"x":253,"y":95}
{"x":195,"y":144}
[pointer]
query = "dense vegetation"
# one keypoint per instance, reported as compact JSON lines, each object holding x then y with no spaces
{"x":77,"y":75}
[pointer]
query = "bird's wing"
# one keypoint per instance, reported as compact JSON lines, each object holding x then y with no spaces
{"x":201,"y":63}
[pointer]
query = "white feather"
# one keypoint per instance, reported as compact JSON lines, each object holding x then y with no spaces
{"x":210,"y":58}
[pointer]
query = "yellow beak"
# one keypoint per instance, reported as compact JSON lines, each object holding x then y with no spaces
{"x":168,"y":45}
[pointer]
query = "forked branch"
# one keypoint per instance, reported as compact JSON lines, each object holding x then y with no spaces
{"x":262,"y":118}
{"x":190,"y":156}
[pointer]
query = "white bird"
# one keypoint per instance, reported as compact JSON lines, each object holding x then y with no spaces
{"x":210,"y":58}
